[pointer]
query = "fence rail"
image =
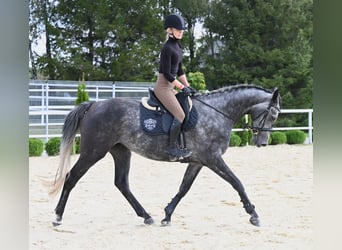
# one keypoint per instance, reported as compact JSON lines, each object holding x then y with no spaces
{"x":50,"y":102}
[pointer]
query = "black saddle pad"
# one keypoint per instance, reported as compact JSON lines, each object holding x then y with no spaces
{"x":157,"y":120}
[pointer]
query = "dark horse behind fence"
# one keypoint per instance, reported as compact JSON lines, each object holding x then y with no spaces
{"x":113,"y":126}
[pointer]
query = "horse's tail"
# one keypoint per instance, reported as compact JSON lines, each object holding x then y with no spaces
{"x":70,"y":128}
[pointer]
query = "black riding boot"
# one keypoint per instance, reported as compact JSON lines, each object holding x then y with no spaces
{"x":175,"y":152}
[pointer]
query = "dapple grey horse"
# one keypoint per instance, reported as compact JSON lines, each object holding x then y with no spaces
{"x":113,"y":126}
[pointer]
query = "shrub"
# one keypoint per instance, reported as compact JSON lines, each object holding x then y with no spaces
{"x":52,"y":146}
{"x":278,"y":138}
{"x":245,"y":137}
{"x":36,"y":147}
{"x":235,"y":140}
{"x":295,"y":136}
{"x":77,"y":144}
{"x":82,"y":95}
{"x":197,"y":80}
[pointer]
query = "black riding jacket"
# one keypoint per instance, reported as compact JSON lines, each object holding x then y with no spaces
{"x":171,"y":59}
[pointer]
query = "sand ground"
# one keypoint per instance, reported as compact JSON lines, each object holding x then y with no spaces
{"x":278,"y":180}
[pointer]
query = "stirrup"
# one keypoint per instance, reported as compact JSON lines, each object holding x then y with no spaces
{"x":178,"y":154}
{"x":186,"y":153}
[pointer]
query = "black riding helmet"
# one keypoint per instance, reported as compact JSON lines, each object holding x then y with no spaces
{"x":174,"y":21}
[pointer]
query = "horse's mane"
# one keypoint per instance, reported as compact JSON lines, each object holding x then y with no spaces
{"x":233,"y":88}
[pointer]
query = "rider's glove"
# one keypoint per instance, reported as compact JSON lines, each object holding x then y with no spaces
{"x":188,"y":91}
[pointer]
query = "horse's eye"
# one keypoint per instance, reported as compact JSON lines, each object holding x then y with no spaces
{"x":274,"y":112}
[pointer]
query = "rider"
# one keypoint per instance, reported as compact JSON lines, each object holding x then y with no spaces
{"x":170,"y":67}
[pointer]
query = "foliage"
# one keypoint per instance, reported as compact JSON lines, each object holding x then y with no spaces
{"x":36,"y":147}
{"x":192,"y":11}
{"x":259,"y":42}
{"x":197,"y":80}
{"x":77,"y":145}
{"x":52,"y":146}
{"x":105,"y":39}
{"x":245,"y":135}
{"x":264,"y":42}
{"x":235,"y":140}
{"x":295,"y":136}
{"x":82,"y":95}
{"x":277,"y":137}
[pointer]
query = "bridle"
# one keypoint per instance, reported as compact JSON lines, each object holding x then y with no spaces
{"x":255,"y":129}
{"x":261,"y":126}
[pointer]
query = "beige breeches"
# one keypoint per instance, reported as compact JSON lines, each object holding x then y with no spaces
{"x":165,"y":92}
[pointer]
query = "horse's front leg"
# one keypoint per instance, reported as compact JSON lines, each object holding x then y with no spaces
{"x":189,"y":177}
{"x":220,"y":168}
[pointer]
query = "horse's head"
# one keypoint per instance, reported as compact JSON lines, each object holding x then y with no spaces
{"x":263,"y":116}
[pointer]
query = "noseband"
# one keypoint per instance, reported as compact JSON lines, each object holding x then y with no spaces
{"x":261,"y":127}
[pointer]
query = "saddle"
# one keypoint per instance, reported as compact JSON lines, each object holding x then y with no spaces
{"x":155,"y":119}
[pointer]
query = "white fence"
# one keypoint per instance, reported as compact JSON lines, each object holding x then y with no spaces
{"x":51,"y":101}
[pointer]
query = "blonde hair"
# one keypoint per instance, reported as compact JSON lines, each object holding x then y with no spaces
{"x":168,"y":31}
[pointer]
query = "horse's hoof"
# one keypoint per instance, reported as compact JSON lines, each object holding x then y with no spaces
{"x":255,"y":221}
{"x":57,"y":222}
{"x":165,"y":222}
{"x":149,"y":221}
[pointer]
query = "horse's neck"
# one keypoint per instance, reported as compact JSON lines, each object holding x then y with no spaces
{"x":236,"y":103}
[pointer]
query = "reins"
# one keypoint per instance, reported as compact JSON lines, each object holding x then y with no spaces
{"x":212,"y":107}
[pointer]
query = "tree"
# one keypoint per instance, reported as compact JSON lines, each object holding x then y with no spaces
{"x":265,"y":42}
{"x":36,"y":29}
{"x":106,"y":39}
{"x":192,"y":11}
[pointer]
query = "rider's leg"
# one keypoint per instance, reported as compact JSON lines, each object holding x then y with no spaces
{"x":175,"y":152}
{"x":165,"y":92}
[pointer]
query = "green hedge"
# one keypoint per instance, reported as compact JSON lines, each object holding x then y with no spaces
{"x":295,"y":136}
{"x":77,"y":144}
{"x":235,"y":140}
{"x":36,"y":147}
{"x":245,"y":136}
{"x":278,"y":138}
{"x":52,"y":146}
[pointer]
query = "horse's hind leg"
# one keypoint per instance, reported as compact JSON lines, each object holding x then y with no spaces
{"x":189,"y":177}
{"x":220,"y":168}
{"x":122,"y":159}
{"x":79,"y":169}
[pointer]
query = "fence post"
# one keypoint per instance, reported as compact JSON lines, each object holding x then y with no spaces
{"x":42,"y":103}
{"x":310,"y":126}
{"x":113,"y":90}
{"x":46,"y":110}
{"x":246,"y":122}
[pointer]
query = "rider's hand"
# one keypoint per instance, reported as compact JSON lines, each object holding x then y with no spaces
{"x":186,"y":91}
{"x":193,"y":91}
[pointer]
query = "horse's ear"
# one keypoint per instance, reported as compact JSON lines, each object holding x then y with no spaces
{"x":275,"y":94}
